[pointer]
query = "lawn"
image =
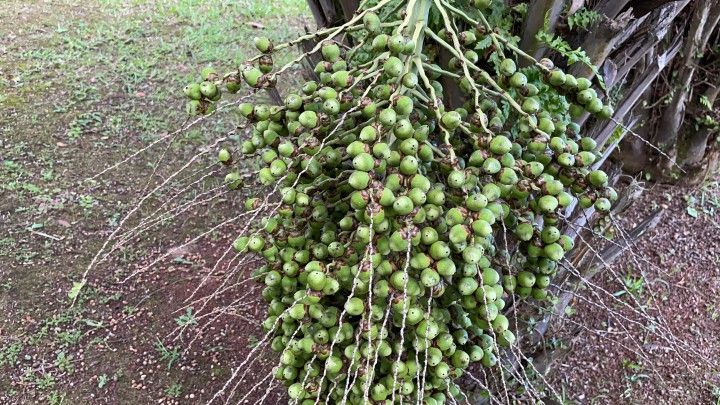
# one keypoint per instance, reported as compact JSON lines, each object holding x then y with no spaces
{"x":85,"y":85}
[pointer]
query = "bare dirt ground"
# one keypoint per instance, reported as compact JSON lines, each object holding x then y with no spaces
{"x":673,"y":274}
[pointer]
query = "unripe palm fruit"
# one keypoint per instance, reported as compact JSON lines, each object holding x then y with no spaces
{"x":606,"y":112}
{"x":233,"y":84}
{"x":403,"y":105}
{"x":265,"y":63}
{"x":531,"y":105}
{"x":403,"y":205}
{"x":482,"y":4}
{"x":524,"y":231}
{"x":456,"y":178}
{"x":359,"y":180}
{"x":583,"y":84}
{"x":233,"y":180}
{"x":409,"y":165}
{"x":508,"y":67}
{"x":595,"y":106}
{"x":308,"y":119}
{"x":393,"y":66}
{"x":410,"y":80}
{"x":554,"y":252}
{"x":476,"y":202}
{"x":451,"y":120}
{"x":246,"y":110}
{"x":586,"y":95}
{"x":550,"y":234}
{"x":500,"y":144}
{"x":224,"y":156}
{"x":263,"y":44}
{"x":556,"y":78}
{"x":603,"y":204}
{"x":396,"y":44}
{"x":331,"y":52}
{"x":363,"y":162}
{"x":598,"y":178}
{"x":209,"y":89}
{"x":518,"y":80}
{"x":342,"y":79}
{"x":371,"y":22}
{"x":387,"y":117}
{"x":255,"y":243}
{"x":252,"y":76}
{"x":547,"y":203}
{"x":380,"y":42}
{"x":192,"y":91}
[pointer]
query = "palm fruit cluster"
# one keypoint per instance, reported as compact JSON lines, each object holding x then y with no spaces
{"x":401,"y":227}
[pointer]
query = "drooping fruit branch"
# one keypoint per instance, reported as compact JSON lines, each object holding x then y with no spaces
{"x":402,"y":226}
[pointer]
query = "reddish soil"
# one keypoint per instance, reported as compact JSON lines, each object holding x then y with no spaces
{"x":613,"y":357}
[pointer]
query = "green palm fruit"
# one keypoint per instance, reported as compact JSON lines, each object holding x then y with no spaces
{"x":387,"y":117}
{"x":354,"y":306}
{"x":508,"y":176}
{"x":439,"y":250}
{"x":583,"y":84}
{"x":586,"y":96}
{"x":396,"y":44}
{"x":263,"y":44}
{"x":476,"y":202}
{"x":508,"y":67}
{"x":429,"y":277}
{"x":371,"y":22}
{"x":458,"y":234}
{"x":380,"y":42}
{"x":403,"y":205}
{"x":393,"y":67}
{"x":224,"y":156}
{"x":403,"y":106}
{"x":500,"y":324}
{"x":605,"y":113}
{"x":233,"y":180}
{"x":557,"y":78}
{"x":403,"y":129}
{"x":531,"y":105}
{"x":456,"y":178}
{"x":547,"y":203}
{"x":595,"y":106}
{"x":472,"y":254}
{"x":209,"y":90}
{"x":342,"y":79}
{"x":603,"y":204}
{"x":451,"y":120}
{"x":417,"y":196}
{"x":330,"y":52}
{"x":500,"y":145}
{"x":427,"y":329}
{"x":252,"y":76}
{"x":364,"y":162}
{"x":598,"y":178}
{"x":554,"y":252}
{"x":192,"y":91}
{"x":359,"y":180}
{"x":482,"y":228}
{"x":491,"y":166}
{"x":518,"y":80}
{"x":409,"y":165}
{"x":526,"y":279}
